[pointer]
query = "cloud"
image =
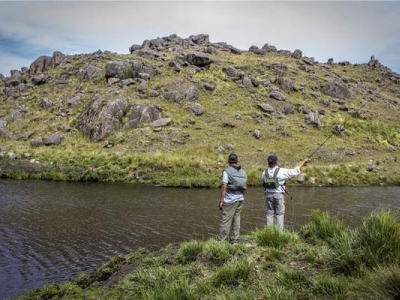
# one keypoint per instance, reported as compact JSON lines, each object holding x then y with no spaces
{"x":348,"y":30}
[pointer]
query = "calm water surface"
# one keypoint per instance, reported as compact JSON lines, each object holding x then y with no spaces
{"x":53,"y":231}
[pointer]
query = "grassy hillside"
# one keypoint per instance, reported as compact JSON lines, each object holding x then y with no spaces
{"x":185,"y":152}
{"x":324,"y":260}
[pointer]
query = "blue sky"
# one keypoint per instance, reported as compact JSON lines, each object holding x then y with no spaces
{"x":343,"y":30}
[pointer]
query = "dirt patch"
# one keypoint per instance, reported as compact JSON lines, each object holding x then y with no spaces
{"x":120,"y":274}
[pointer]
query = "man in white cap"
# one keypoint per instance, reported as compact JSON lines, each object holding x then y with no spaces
{"x":275,"y":196}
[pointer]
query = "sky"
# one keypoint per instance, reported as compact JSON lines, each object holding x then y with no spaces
{"x":342,"y":30}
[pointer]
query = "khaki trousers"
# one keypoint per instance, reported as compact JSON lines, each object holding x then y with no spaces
{"x":275,"y":209}
{"x":229,"y":225}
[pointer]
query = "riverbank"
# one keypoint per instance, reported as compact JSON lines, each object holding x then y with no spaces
{"x":173,"y":170}
{"x":325,"y":259}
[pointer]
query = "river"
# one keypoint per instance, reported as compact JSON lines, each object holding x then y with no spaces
{"x":53,"y":231}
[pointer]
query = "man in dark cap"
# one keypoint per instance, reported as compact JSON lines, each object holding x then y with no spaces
{"x":234,"y":184}
{"x":275,"y":196}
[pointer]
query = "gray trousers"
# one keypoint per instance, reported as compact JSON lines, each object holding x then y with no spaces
{"x":229,"y":225}
{"x":275,"y":209}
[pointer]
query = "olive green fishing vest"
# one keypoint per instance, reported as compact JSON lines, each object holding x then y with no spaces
{"x":237,"y":180}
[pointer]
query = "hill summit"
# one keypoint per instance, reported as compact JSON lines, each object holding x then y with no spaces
{"x":173,"y":109}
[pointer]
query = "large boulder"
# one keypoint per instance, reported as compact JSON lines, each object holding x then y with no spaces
{"x":53,"y":139}
{"x":196,"y":109}
{"x":129,"y":69}
{"x":119,"y":69}
{"x":200,"y":39}
{"x":180,"y":91}
{"x":13,"y":80}
{"x":277,"y":95}
{"x":101,"y":116}
{"x":297,"y":53}
{"x":89,"y":72}
{"x":226,"y":47}
{"x":232,"y":72}
{"x":142,"y":113}
{"x":44,"y":63}
{"x":40,"y":79}
{"x":41,"y":64}
{"x":336,"y":90}
{"x":198,"y":60}
{"x":266,"y":107}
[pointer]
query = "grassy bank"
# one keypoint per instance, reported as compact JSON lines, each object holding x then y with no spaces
{"x":176,"y":170}
{"x":325,"y":259}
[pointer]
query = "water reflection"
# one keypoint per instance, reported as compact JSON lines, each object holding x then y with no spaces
{"x":53,"y":231}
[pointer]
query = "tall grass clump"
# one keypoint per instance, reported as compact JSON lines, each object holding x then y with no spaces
{"x":345,"y":259}
{"x":322,"y":227}
{"x":329,"y":287}
{"x":233,"y":273}
{"x":277,"y":292}
{"x":189,"y":251}
{"x":271,"y":236}
{"x":52,"y":291}
{"x":160,"y":282}
{"x":295,"y":280}
{"x":375,"y":243}
{"x":384,"y":283}
{"x":179,"y":289}
{"x":378,"y":239}
{"x":316,"y":256}
{"x":219,"y":252}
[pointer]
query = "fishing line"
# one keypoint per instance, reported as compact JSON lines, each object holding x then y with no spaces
{"x":345,"y":121}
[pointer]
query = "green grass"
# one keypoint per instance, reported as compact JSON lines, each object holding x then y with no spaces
{"x":270,"y":236}
{"x":384,"y":283}
{"x":322,"y":227}
{"x":379,"y":239}
{"x":233,"y":273}
{"x":190,"y":251}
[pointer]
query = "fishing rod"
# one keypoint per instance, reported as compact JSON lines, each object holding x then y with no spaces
{"x":345,"y":121}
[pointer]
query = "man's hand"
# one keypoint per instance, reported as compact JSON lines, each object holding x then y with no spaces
{"x":221,"y":205}
{"x":306,"y":161}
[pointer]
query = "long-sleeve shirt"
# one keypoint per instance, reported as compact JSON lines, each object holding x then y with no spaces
{"x":282,"y":175}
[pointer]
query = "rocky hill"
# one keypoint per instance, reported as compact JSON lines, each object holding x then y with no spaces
{"x":171,"y":111}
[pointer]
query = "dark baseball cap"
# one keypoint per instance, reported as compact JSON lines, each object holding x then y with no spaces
{"x":272,"y":159}
{"x":232,"y":157}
